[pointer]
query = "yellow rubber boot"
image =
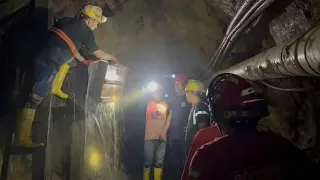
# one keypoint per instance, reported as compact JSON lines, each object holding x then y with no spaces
{"x":24,"y":122}
{"x":146,"y":173}
{"x":157,"y":173}
{"x":58,"y":82}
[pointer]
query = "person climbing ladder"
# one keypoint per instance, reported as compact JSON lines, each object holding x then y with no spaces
{"x":66,"y":37}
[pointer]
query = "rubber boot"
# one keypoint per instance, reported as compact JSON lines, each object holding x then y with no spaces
{"x":146,"y":173}
{"x":24,"y":122}
{"x":157,"y":173}
{"x":58,"y":82}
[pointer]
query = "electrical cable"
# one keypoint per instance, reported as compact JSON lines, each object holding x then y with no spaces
{"x":233,"y":33}
{"x":249,"y":17}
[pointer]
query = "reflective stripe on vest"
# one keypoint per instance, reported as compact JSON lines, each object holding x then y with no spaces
{"x":66,"y":39}
{"x":198,"y":113}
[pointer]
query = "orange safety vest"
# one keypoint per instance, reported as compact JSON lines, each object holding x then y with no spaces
{"x":156,"y":118}
{"x":66,"y":39}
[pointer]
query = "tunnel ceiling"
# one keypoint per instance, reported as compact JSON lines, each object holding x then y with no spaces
{"x":166,"y":36}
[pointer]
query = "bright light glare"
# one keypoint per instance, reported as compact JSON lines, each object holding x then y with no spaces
{"x":94,"y":158}
{"x":166,"y":95}
{"x":111,"y":74}
{"x":152,"y":86}
{"x":161,"y":108}
{"x":173,"y":76}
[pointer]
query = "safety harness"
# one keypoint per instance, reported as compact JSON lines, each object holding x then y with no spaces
{"x":66,"y":39}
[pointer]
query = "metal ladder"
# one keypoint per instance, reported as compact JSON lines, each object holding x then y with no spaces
{"x":38,"y":154}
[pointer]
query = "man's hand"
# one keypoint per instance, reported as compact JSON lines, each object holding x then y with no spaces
{"x":163,"y":134}
{"x":114,"y":59}
{"x":87,"y":62}
{"x":105,"y":56}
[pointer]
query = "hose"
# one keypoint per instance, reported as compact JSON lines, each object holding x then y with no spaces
{"x":238,"y":31}
{"x":230,"y":34}
{"x":254,"y":12}
{"x":245,"y":6}
{"x":301,"y":89}
{"x":235,"y":32}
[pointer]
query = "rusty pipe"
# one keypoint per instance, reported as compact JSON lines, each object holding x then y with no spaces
{"x":298,"y":57}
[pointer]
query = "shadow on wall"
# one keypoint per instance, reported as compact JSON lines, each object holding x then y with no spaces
{"x":134,"y":119}
{"x":22,"y":40}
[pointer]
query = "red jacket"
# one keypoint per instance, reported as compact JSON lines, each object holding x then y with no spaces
{"x":202,"y":137}
{"x":257,"y":156}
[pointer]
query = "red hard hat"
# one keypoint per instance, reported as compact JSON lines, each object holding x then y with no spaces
{"x":232,"y":97}
{"x":181,"y":78}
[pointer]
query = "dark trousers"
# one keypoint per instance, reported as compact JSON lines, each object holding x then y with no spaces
{"x":43,"y":78}
{"x":175,"y":159}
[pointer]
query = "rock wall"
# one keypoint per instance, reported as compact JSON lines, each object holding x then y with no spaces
{"x":293,"y":114}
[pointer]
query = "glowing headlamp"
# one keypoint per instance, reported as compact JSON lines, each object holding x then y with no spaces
{"x":152,"y":87}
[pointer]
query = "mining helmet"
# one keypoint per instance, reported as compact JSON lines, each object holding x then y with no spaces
{"x":195,"y":86}
{"x":181,"y":78}
{"x":94,"y":12}
{"x":232,"y":97}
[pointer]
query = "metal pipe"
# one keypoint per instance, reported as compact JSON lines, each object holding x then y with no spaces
{"x":300,"y":89}
{"x":298,"y":57}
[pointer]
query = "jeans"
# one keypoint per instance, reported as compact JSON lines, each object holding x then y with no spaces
{"x":154,"y":150}
{"x":43,"y":80}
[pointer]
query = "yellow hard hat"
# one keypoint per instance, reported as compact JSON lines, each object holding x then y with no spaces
{"x":94,"y":12}
{"x":195,"y":85}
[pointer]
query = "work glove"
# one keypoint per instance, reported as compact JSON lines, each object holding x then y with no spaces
{"x":112,"y":61}
{"x":87,"y":62}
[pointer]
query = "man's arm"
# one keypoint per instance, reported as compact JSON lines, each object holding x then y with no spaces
{"x":92,"y":45}
{"x":103,"y":55}
{"x":167,"y":125}
{"x":203,"y":125}
{"x":202,"y":116}
{"x":195,"y":166}
{"x":168,"y":122}
{"x":79,"y":57}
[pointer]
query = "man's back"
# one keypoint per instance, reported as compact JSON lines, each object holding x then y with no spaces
{"x":56,"y":51}
{"x":76,"y":29}
{"x":257,"y":156}
{"x":204,"y":136}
